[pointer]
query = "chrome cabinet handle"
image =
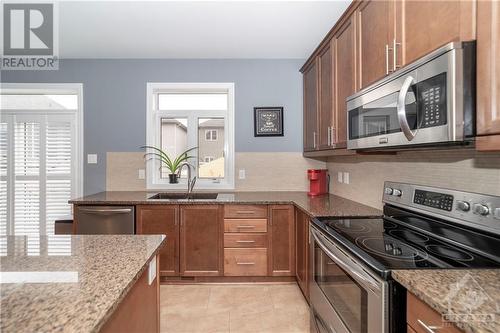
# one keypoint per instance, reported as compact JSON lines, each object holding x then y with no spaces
{"x":386,"y":59}
{"x":427,"y":328}
{"x":245,"y":241}
{"x":331,"y":136}
{"x":395,"y":54}
{"x":113,"y":210}
{"x":245,"y":212}
{"x":403,"y":122}
{"x":245,"y":227}
{"x":314,"y":139}
{"x":245,"y":263}
{"x":329,"y":139}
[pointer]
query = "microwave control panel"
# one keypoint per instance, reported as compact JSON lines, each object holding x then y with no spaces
{"x":433,"y":101}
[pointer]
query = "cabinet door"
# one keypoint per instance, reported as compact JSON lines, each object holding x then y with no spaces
{"x":162,"y":219}
{"x":375,"y":32}
{"x":345,"y":78}
{"x":326,"y":112}
{"x":488,"y":75}
{"x":302,"y":251}
{"x":310,"y":107}
{"x":424,"y":26}
{"x":201,"y":242}
{"x":282,"y":240}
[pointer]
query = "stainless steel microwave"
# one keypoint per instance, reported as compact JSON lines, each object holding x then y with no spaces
{"x":429,"y":102}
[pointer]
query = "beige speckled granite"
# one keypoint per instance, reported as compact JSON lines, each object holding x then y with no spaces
{"x":325,"y":205}
{"x":453,"y":291}
{"x":86,"y":278}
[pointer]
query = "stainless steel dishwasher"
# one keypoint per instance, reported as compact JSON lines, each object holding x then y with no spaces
{"x":98,"y":220}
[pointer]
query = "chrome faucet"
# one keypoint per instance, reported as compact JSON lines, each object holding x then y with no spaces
{"x":190,"y":182}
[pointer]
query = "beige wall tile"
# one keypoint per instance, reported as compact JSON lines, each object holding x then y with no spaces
{"x":264,"y":171}
{"x":460,"y":169}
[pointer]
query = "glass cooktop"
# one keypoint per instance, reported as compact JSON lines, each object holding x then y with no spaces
{"x":409,"y":242}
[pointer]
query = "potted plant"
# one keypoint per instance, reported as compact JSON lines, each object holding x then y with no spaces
{"x":172,"y":165}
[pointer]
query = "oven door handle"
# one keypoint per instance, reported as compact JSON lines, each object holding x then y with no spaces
{"x":362,"y":277}
{"x":401,"y":107}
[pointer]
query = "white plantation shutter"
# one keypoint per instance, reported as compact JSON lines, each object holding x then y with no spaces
{"x":38,"y":170}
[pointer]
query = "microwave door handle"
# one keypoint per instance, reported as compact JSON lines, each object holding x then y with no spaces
{"x":365,"y":280}
{"x":401,"y":107}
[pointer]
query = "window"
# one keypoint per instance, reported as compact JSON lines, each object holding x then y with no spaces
{"x":182,"y":116}
{"x":40,"y":138}
{"x":211,"y":135}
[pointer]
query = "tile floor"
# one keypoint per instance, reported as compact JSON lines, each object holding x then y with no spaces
{"x":245,"y":308}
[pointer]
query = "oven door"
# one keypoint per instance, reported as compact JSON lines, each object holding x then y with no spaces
{"x":345,"y":296}
{"x":419,"y":106}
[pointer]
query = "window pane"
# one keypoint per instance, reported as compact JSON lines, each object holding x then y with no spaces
{"x":211,"y":148}
{"x":173,"y":140}
{"x":40,"y":102}
{"x":192,"y":101}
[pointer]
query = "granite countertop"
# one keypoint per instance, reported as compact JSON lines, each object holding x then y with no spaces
{"x":324,"y":205}
{"x":471,"y":296}
{"x":68,"y":283}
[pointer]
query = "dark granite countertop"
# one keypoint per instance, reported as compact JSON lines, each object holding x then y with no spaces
{"x":471,"y":297}
{"x":325,"y":205}
{"x":68,"y":283}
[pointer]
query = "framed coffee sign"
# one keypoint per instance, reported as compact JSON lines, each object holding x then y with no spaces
{"x":268,"y":121}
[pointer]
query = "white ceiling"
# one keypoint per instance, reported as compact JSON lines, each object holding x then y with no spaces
{"x":188,"y":29}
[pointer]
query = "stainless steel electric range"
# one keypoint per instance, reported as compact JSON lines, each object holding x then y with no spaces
{"x":422,"y":228}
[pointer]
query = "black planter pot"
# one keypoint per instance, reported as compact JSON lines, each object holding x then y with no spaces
{"x":173,"y":178}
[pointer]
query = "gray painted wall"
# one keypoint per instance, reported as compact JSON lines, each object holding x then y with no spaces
{"x":115,"y":100}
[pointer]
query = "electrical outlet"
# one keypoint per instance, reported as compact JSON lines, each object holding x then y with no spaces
{"x":91,"y":158}
{"x":339,"y":177}
{"x":242,"y":174}
{"x":141,"y":174}
{"x":346,"y":177}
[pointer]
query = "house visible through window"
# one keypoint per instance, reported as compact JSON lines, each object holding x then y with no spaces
{"x":183,"y":116}
{"x":40,"y":156}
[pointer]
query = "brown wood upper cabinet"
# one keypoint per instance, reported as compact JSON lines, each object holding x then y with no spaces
{"x":201,"y":240}
{"x":162,"y":219}
{"x":302,"y":251}
{"x":282,"y":240}
{"x":310,"y":79}
{"x":326,"y":92}
{"x":488,"y":76}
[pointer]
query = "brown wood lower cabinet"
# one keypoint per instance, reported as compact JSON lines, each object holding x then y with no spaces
{"x":421,"y":318}
{"x":201,"y":237}
{"x":282,"y":240}
{"x":302,"y":251}
{"x":162,"y":219}
{"x":139,"y":311}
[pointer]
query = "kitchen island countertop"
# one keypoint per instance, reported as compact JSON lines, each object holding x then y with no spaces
{"x":69,"y":283}
{"x":324,"y":205}
{"x":471,"y":295}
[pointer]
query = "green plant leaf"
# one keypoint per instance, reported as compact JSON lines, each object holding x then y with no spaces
{"x":174,"y":165}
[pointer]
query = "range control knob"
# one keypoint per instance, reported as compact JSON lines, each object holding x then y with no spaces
{"x":481,"y":209}
{"x":464,"y":206}
{"x":396,"y":192}
{"x":388,"y":190}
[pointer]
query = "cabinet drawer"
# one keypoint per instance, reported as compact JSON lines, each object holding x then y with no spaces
{"x":245,"y":240}
{"x":245,"y":211}
{"x":245,"y":262}
{"x":245,"y":225}
{"x":419,"y":315}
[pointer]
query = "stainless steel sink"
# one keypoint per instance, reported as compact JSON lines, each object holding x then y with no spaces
{"x":184,"y":196}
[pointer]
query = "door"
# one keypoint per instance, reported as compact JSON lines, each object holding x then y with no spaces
{"x":488,"y":75}
{"x":326,"y":110}
{"x":302,"y":251}
{"x":310,"y":107}
{"x":162,"y":219}
{"x":444,"y":21}
{"x":345,"y":79}
{"x":376,"y":30}
{"x":201,"y":240}
{"x":282,"y":240}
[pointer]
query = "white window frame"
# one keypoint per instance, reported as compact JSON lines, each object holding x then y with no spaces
{"x":47,"y":88}
{"x":211,"y":131}
{"x":153,"y":133}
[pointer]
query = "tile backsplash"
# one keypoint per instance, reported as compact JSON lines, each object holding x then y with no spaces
{"x":465,"y":170}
